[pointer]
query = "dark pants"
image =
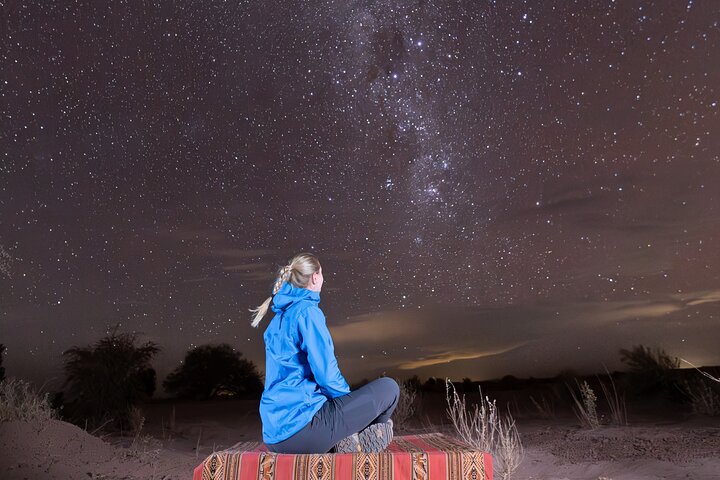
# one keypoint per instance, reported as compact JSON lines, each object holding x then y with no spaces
{"x":340,"y":417}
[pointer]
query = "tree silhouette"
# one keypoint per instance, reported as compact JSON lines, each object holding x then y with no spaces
{"x":467,"y":385}
{"x":147,"y":379}
{"x":414,"y":383}
{"x":212,"y":371}
{"x":642,"y":359}
{"x":652,"y":370}
{"x":106,"y":379}
{"x":432,"y":384}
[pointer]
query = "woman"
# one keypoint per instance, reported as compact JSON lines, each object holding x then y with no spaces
{"x":307,"y":406}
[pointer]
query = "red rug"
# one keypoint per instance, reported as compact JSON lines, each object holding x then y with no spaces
{"x":432,"y":456}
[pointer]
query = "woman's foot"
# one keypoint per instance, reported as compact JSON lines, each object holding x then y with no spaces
{"x":376,"y":437}
{"x":349,"y":444}
{"x":372,"y":439}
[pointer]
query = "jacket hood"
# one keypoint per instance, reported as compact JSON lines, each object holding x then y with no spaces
{"x":289,"y":295}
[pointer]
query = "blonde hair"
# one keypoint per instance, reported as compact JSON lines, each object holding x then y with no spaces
{"x":297,"y":273}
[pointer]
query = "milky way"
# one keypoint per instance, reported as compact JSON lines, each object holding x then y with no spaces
{"x":554,"y":165}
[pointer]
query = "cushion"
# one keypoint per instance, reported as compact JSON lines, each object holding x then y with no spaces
{"x":431,"y":456}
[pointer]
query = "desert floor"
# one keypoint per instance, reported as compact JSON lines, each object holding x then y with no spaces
{"x":657,"y":443}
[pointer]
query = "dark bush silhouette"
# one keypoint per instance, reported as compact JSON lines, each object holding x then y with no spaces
{"x":106,"y":379}
{"x":467,"y":385}
{"x":2,"y":369}
{"x":652,"y":370}
{"x":147,"y":378}
{"x":433,"y":384}
{"x":212,"y":371}
{"x":414,"y":383}
{"x":642,"y":359}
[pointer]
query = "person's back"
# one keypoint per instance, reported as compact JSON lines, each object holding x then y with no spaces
{"x":307,"y":406}
{"x":292,"y":395}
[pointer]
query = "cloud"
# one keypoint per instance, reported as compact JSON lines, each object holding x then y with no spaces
{"x":376,"y":328}
{"x":449,"y":357}
{"x":533,"y":339}
{"x":631,"y":310}
{"x":619,"y":311}
{"x":710,"y":296}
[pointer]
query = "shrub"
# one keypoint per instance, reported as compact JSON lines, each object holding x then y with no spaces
{"x":485,"y":430}
{"x":703,"y":396}
{"x":405,"y":408}
{"x":651,"y":370}
{"x":467,"y":385}
{"x":433,"y":384}
{"x":585,"y":407}
{"x":19,"y":401}
{"x":106,"y":379}
{"x":212,"y":371}
{"x":414,"y":383}
{"x":643,"y":359}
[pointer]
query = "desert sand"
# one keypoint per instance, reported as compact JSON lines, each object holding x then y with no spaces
{"x":657,"y":444}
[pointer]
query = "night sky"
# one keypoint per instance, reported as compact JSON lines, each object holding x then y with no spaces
{"x":492,"y":188}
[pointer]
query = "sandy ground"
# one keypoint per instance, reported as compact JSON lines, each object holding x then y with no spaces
{"x":651,"y":447}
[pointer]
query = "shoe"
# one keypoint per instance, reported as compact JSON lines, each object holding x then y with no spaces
{"x":376,"y":437}
{"x":349,"y":444}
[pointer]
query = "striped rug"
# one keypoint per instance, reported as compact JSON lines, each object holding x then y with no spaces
{"x":432,"y":456}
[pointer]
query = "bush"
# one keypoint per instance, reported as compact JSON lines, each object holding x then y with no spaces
{"x":585,"y":407}
{"x":212,"y":371}
{"x":652,"y":371}
{"x":405,"y":408}
{"x":642,"y":359}
{"x":105,"y":380}
{"x":19,"y":401}
{"x":484,"y":429}
{"x":414,"y":383}
{"x":703,"y":397}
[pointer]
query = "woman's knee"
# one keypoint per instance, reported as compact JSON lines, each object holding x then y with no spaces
{"x":389,"y":385}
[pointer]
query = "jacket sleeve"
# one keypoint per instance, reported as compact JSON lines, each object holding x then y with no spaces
{"x":318,"y":345}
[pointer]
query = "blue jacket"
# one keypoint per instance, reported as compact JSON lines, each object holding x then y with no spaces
{"x":301,"y":371}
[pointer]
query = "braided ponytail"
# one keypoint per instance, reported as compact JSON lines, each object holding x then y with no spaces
{"x":297,"y":273}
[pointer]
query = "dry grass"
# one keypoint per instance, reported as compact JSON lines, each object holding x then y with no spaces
{"x":585,"y":407}
{"x":486,"y":430}
{"x":704,"y":399}
{"x":405,"y":408}
{"x":616,"y":402}
{"x":545,"y":408}
{"x":136,"y":418}
{"x":19,"y":401}
{"x":144,"y":447}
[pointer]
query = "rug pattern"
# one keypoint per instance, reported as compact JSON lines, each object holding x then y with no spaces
{"x":431,"y":456}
